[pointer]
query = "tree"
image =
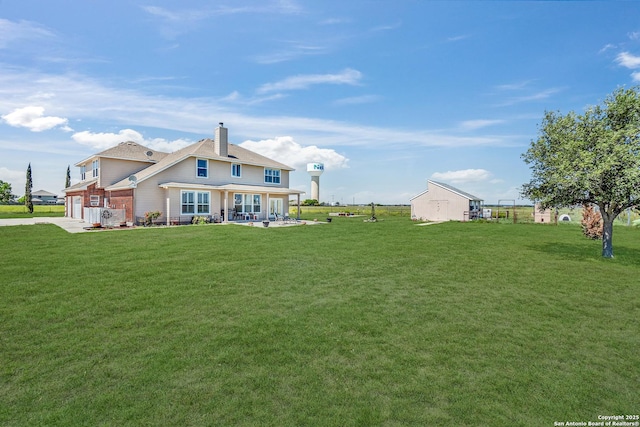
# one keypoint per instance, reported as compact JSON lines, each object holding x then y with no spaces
{"x":589,"y":159}
{"x":67,"y":182}
{"x":5,"y":192}
{"x":27,"y":191}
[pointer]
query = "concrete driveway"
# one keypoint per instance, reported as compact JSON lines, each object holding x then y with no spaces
{"x":68,"y":224}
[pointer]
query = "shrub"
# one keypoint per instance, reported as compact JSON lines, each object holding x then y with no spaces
{"x":592,"y":224}
{"x":150,"y":216}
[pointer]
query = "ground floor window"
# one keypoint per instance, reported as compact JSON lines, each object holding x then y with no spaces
{"x":193,"y":202}
{"x":249,"y":203}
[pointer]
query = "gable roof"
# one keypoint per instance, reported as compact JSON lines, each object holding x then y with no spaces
{"x":128,"y":150}
{"x":454,"y":190}
{"x":42,"y":193}
{"x":203,"y":149}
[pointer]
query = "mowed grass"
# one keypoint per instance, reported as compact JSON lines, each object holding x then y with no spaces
{"x":342,"y":324}
{"x":21,"y":211}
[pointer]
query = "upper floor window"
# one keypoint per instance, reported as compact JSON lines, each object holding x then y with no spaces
{"x":83,"y":172}
{"x":236,"y":170}
{"x":272,"y":176}
{"x":202,"y":168}
{"x":94,"y":168}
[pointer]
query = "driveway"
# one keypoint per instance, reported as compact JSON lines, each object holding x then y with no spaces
{"x":68,"y":224}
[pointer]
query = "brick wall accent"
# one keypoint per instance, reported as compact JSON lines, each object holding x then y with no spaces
{"x":122,"y":198}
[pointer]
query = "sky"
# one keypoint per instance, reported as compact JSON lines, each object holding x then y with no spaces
{"x":387,"y":94}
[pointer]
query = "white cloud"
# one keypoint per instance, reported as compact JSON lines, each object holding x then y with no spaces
{"x":462,"y":176}
{"x":285,"y":150}
{"x":12,"y":32}
{"x":355,"y":100}
{"x":348,"y":76}
{"x":102,"y":141}
{"x":477,"y":124}
{"x":13,"y":177}
{"x":33,"y":118}
{"x":635,"y":76}
{"x":628,"y":60}
{"x":294,"y":50}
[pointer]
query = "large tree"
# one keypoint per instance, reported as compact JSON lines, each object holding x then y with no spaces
{"x":5,"y":192}
{"x":589,"y":159}
{"x":27,"y":191}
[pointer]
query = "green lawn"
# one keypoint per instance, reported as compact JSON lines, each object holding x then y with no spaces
{"x":20,"y":211}
{"x":343,"y":324}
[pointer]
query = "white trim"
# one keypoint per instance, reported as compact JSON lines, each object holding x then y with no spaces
{"x":239,"y":170}
{"x":195,"y":202}
{"x":198,"y":168}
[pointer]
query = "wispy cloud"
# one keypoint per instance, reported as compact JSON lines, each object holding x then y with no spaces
{"x":537,"y":96}
{"x":478,"y":124}
{"x":462,"y":176}
{"x":348,"y":76}
{"x":178,"y":21}
{"x":628,"y":60}
{"x":81,"y":98}
{"x":12,"y":32}
{"x":387,"y":27}
{"x":458,"y":38}
{"x":291,"y":51}
{"x":355,"y":100}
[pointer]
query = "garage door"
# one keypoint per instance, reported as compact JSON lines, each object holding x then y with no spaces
{"x":77,"y":207}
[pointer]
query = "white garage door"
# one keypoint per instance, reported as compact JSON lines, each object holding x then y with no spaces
{"x":77,"y":207}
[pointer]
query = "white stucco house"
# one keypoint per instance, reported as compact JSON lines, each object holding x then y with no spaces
{"x":211,"y":178}
{"x":442,"y":202}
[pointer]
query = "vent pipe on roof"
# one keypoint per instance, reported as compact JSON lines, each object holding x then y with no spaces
{"x":221,"y":141}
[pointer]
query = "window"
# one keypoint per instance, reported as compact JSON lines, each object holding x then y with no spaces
{"x":193,"y":202}
{"x":202,"y":168}
{"x":188,"y":203}
{"x":94,"y":168}
{"x":249,"y":203}
{"x":83,"y":172}
{"x":94,"y":200}
{"x":272,"y":176}
{"x":236,"y":170}
{"x":203,"y":202}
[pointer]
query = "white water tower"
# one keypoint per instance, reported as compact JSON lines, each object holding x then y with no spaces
{"x":315,"y":170}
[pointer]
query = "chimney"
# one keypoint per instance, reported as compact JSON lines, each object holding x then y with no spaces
{"x":221,"y":141}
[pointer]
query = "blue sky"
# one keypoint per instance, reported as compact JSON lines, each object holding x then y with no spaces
{"x":387,"y":94}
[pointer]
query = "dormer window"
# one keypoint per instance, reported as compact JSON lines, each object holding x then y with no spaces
{"x":94,"y":168}
{"x":83,"y":172}
{"x":236,"y":170}
{"x":202,"y":168}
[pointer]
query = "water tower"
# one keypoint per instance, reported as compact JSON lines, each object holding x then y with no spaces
{"x":315,"y":170}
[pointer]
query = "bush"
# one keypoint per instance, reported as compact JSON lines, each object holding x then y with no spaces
{"x":150,"y":216}
{"x":592,"y":224}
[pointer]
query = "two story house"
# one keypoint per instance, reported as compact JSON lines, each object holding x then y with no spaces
{"x":210,"y":178}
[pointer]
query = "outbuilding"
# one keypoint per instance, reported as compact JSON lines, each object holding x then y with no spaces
{"x":443,"y":202}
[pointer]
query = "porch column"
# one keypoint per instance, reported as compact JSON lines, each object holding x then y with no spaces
{"x":168,"y":210}
{"x":226,"y":205}
{"x":268,"y":206}
{"x":298,"y":206}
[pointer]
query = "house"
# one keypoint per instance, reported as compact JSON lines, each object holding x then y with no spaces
{"x":442,"y":202}
{"x":42,"y":197}
{"x":209,"y":178}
